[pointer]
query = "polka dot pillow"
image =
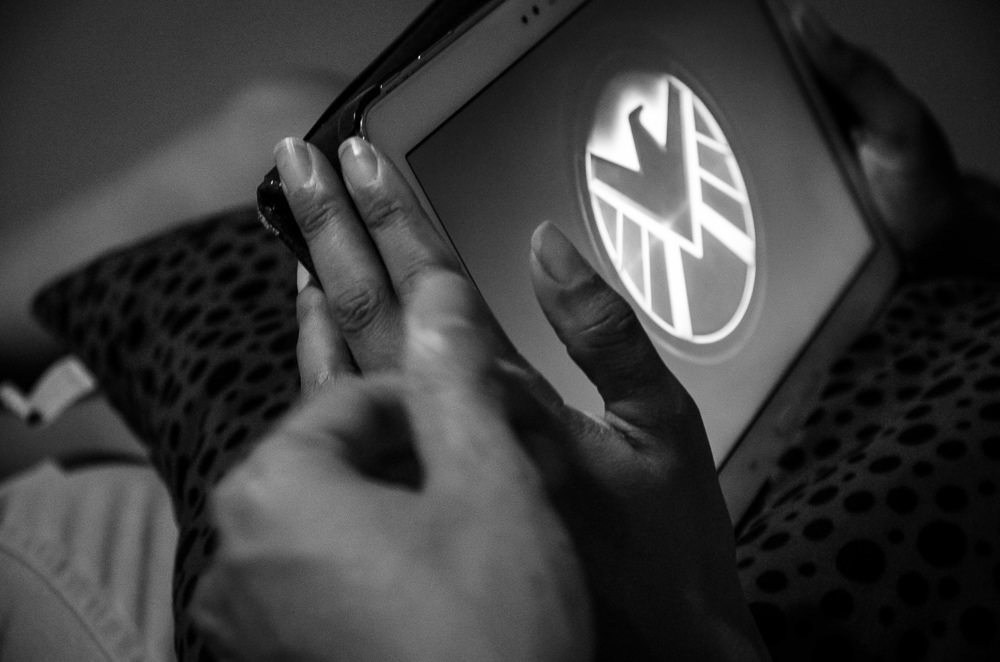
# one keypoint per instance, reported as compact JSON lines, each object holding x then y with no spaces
{"x":878,"y":539}
{"x":191,"y":336}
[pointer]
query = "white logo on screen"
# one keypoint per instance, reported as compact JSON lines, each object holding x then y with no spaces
{"x":671,"y":207}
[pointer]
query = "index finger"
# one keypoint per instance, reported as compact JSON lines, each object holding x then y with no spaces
{"x":456,"y":401}
{"x":406,"y":238}
{"x":360,"y":297}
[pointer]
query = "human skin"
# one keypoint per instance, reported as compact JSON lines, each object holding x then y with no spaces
{"x":321,"y":559}
{"x":635,"y":488}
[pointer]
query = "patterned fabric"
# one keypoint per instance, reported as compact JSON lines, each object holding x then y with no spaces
{"x":192,"y":337}
{"x":881,"y":539}
{"x":878,"y":541}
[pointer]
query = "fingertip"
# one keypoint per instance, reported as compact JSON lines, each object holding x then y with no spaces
{"x":285,"y":145}
{"x":359,"y":162}
{"x":310,"y":303}
{"x":321,"y":351}
{"x":446,"y":317}
{"x":538,"y":236}
{"x":445,"y":293}
{"x":295,"y":163}
{"x":448,"y":347}
{"x":556,"y":257}
{"x":457,"y":401}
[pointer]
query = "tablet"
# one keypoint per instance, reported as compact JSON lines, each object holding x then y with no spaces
{"x":681,"y":148}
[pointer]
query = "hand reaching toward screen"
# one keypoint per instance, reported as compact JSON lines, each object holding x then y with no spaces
{"x":944,"y":222}
{"x":320,"y":559}
{"x":637,"y":488}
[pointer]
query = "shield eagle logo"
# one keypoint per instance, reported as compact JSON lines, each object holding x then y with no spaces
{"x":671,"y":208}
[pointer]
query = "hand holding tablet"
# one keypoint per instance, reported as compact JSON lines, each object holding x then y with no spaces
{"x":711,"y":190}
{"x":750,"y":254}
{"x":941,"y":221}
{"x":324,"y":557}
{"x":628,"y":486}
{"x":637,"y":489}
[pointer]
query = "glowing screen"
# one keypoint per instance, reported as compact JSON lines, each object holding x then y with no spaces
{"x":671,"y":144}
{"x":671,"y":207}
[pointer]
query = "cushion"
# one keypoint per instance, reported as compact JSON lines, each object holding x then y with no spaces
{"x":191,"y":335}
{"x":879,"y":539}
{"x":879,"y":529}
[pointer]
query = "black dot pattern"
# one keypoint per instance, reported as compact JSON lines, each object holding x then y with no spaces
{"x":195,"y":347}
{"x":886,"y":517}
{"x":880,"y":541}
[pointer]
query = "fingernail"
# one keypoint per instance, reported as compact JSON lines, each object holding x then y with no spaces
{"x":445,"y":318}
{"x":301,"y":277}
{"x":294,"y":162}
{"x":437,"y":337}
{"x":449,"y":345}
{"x":358,"y":161}
{"x":557,"y":256}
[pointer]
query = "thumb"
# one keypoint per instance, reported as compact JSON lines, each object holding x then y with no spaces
{"x":605,"y":338}
{"x":456,"y":396}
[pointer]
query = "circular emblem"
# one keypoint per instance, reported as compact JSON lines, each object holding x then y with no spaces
{"x":671,"y":209}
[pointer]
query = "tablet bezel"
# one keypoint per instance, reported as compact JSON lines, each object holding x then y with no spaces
{"x":421,"y":97}
{"x":425,"y":94}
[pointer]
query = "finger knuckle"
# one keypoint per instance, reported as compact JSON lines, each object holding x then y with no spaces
{"x":359,"y":306}
{"x":609,"y":324}
{"x":384,"y":213}
{"x":415,"y":270}
{"x":319,"y":212}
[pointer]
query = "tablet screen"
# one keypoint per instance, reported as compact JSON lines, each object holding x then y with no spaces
{"x":672,"y":144}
